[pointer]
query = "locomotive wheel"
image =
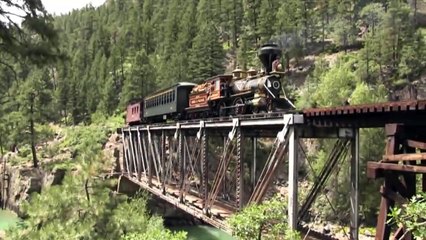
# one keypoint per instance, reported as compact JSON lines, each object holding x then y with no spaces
{"x":271,"y":106}
{"x":239,"y":110}
{"x":220,"y":109}
{"x":255,"y":109}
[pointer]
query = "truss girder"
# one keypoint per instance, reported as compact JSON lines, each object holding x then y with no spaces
{"x":174,"y":162}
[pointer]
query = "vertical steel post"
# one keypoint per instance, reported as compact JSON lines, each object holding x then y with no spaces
{"x":133,"y":163}
{"x":150,"y":160}
{"x":126,"y":153}
{"x":240,"y":169}
{"x":355,"y":185}
{"x":153,"y":141}
{"x":181,"y":150}
{"x":205,"y":167}
{"x":139,"y":154}
{"x":184,"y":168}
{"x":292,"y":178}
{"x":143,"y":155}
{"x":253,"y":170}
{"x":224,"y":187}
{"x":163,"y":161}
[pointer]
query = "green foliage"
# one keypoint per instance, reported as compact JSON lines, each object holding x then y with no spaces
{"x":66,"y":212}
{"x":305,"y":93}
{"x":255,"y":219}
{"x":339,"y":80}
{"x":344,"y":32}
{"x":26,"y":32}
{"x":84,"y":206}
{"x":372,"y":14}
{"x":44,"y":133}
{"x":25,"y":151}
{"x":155,"y":231}
{"x":412,"y":216}
{"x":140,"y":80}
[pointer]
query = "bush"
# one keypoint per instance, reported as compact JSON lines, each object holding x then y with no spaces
{"x":412,"y":216}
{"x":24,"y":151}
{"x":44,"y":133}
{"x":267,"y":217}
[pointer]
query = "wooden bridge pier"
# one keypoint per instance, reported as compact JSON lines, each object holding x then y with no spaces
{"x":404,"y":159}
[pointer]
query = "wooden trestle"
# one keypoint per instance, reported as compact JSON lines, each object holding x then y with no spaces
{"x":181,"y":163}
{"x":404,"y":158}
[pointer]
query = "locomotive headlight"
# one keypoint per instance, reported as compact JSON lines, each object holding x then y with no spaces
{"x":276,"y":85}
{"x":273,"y":84}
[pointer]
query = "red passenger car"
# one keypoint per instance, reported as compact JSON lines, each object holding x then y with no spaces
{"x":134,"y":113}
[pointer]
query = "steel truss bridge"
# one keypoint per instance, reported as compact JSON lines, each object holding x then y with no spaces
{"x":182,"y":164}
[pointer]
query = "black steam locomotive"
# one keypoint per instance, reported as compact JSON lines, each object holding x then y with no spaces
{"x":221,"y":95}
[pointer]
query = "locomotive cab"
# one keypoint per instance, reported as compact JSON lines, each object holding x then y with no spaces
{"x":207,"y":98}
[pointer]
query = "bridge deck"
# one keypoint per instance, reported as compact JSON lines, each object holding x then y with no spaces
{"x":358,"y":116}
{"x":192,"y":204}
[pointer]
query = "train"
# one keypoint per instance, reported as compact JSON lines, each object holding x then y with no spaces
{"x":223,"y":95}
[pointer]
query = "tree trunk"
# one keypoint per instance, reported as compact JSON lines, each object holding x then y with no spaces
{"x":234,"y":33}
{"x":32,"y":131}
{"x":415,"y":13}
{"x":305,"y":23}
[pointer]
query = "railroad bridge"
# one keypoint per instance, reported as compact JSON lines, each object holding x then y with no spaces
{"x":181,"y":163}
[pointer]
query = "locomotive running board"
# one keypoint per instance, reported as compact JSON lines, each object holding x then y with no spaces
{"x":193,"y":109}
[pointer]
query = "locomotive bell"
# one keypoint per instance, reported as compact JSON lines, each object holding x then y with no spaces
{"x":267,"y":54}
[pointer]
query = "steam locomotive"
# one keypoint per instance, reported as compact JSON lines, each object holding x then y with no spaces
{"x":221,"y":95}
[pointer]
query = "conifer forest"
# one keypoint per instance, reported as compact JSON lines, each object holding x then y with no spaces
{"x":65,"y":82}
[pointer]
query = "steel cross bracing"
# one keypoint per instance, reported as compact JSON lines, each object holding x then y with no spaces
{"x":275,"y":157}
{"x":184,"y":164}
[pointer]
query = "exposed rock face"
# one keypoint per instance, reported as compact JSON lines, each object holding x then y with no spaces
{"x":112,"y":149}
{"x":18,"y":182}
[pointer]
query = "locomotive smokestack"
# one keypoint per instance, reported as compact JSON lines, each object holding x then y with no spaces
{"x":267,"y":54}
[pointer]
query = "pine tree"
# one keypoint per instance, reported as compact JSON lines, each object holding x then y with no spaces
{"x":233,"y":17}
{"x":35,"y":101}
{"x":140,"y":81}
{"x":207,"y":53}
{"x":344,"y":30}
{"x":267,"y":19}
{"x":251,"y":21}
{"x":188,"y":30}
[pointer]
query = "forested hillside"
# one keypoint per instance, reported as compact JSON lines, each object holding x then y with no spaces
{"x":99,"y":59}
{"x":128,"y":48}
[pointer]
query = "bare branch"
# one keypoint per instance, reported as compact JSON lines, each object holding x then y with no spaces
{"x":11,"y":4}
{"x":86,"y":188}
{"x":10,"y":13}
{"x":16,"y":26}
